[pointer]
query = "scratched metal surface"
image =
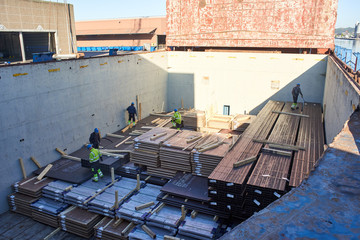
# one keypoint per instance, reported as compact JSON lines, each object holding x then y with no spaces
{"x":326,"y":206}
{"x":251,"y":23}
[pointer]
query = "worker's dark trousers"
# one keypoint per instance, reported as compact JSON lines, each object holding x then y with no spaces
{"x":295,"y":98}
{"x":131,"y":116}
{"x":95,"y":167}
{"x":95,"y":145}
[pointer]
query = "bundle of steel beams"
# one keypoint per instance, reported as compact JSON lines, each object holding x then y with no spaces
{"x":104,"y":203}
{"x":56,"y":190}
{"x":311,"y":137}
{"x":226,"y":183}
{"x":78,"y":195}
{"x":166,"y":217}
{"x":138,"y":233}
{"x":137,"y":207}
{"x":270,"y":175}
{"x":112,"y":229}
{"x":200,"y":227}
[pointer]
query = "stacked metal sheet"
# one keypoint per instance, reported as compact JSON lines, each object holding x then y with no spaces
{"x":201,"y":227}
{"x":138,"y":233}
{"x":104,"y":202}
{"x":172,"y":155}
{"x":108,"y":229}
{"x":147,"y":194}
{"x":56,"y":190}
{"x":167,"y":217}
{"x":161,"y":172}
{"x":146,"y":150}
{"x":107,"y":163}
{"x":205,"y":162}
{"x":79,"y":222}
{"x":21,"y":203}
{"x":78,"y":195}
{"x":31,"y":186}
{"x":201,"y":207}
{"x":46,"y":210}
{"x":188,"y":190}
{"x":67,"y":170}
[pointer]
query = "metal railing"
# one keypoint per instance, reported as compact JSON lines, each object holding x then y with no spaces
{"x":348,"y":57}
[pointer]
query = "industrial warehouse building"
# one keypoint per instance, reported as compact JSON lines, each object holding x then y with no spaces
{"x":28,"y":27}
{"x":121,"y":33}
{"x":248,"y":67}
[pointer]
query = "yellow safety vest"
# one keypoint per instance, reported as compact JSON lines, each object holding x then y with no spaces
{"x":177,"y":117}
{"x":95,"y":155}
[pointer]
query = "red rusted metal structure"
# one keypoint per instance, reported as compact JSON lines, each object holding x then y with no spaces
{"x":270,"y":24}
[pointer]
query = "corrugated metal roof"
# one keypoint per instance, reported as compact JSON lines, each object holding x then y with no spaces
{"x":150,"y":30}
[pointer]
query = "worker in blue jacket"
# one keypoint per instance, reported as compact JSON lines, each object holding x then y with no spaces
{"x":295,"y":93}
{"x":132,"y":112}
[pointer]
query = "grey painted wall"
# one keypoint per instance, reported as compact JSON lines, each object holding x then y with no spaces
{"x":245,"y":81}
{"x":61,"y":108}
{"x":341,"y":98}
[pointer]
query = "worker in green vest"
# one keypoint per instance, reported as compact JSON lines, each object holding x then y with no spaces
{"x":94,"y":156}
{"x":176,"y":119}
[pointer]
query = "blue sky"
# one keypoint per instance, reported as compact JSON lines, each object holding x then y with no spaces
{"x":348,"y":10}
{"x":348,"y":13}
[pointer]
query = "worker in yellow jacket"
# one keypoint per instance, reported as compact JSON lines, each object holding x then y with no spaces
{"x":94,"y":157}
{"x":176,"y":119}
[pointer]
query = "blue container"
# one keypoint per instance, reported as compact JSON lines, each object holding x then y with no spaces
{"x":42,"y":57}
{"x":113,"y":52}
{"x":88,"y":49}
{"x":152,"y":49}
{"x":127,"y":48}
{"x":93,"y":49}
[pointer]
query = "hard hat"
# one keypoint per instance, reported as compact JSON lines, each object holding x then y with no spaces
{"x":175,"y":110}
{"x":89,"y":146}
{"x":298,"y":84}
{"x":132,"y":103}
{"x":96,"y":130}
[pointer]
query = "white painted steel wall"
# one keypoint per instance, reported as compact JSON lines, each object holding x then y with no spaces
{"x":242,"y":80}
{"x":341,"y":98}
{"x":61,"y":108}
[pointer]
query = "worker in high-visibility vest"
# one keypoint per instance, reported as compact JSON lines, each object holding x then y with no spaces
{"x":94,"y":157}
{"x":176,"y":119}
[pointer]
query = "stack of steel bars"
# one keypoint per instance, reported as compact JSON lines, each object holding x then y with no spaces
{"x":226,"y":183}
